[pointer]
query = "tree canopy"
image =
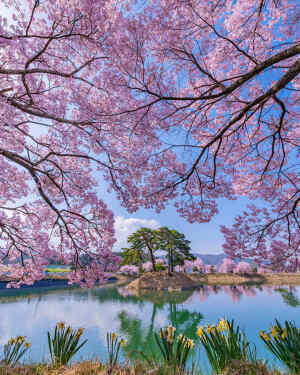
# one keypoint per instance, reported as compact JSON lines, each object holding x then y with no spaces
{"x":167,"y":101}
{"x":145,"y":242}
{"x":176,"y":245}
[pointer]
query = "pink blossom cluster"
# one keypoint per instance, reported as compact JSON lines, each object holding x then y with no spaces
{"x":242,"y":267}
{"x":129,"y":270}
{"x":76,"y":112}
{"x":147,"y":266}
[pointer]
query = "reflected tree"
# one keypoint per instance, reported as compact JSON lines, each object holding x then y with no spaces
{"x":289,"y":297}
{"x":140,"y":334}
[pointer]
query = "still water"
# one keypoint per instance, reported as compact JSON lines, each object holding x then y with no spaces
{"x":33,"y":312}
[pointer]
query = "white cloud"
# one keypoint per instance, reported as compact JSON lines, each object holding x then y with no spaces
{"x":125,"y":227}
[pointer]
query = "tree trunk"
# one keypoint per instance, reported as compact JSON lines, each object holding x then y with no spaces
{"x":172,"y":261}
{"x":169,"y":262}
{"x":152,"y":259}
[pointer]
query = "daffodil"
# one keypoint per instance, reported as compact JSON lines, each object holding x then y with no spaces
{"x":171,"y":331}
{"x":284,"y":334}
{"x":122,"y":342}
{"x":12,"y":341}
{"x":114,"y":336}
{"x":80,"y":331}
{"x":61,"y":325}
{"x":265,"y":336}
{"x":210,"y":329}
{"x":220,"y":326}
{"x":27,"y":345}
{"x":200,"y":331}
{"x":190,"y":343}
{"x":274,"y":331}
{"x":180,"y":337}
{"x":163,"y":333}
{"x":170,"y":339}
{"x":20,"y":339}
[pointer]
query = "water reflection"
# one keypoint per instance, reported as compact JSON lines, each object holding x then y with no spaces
{"x":234,"y":292}
{"x":137,"y":315}
{"x":171,"y":304}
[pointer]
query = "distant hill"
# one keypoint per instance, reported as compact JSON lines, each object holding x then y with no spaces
{"x":216,"y":259}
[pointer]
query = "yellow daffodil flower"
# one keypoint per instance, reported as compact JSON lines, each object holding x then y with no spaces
{"x":200,"y":331}
{"x":190,"y":343}
{"x":180,"y":337}
{"x":163,"y":333}
{"x":226,"y":324}
{"x":61,"y":325}
{"x":210,"y":329}
{"x":284,"y":334}
{"x":274,"y":331}
{"x":20,"y":339}
{"x":80,"y":331}
{"x":12,"y":341}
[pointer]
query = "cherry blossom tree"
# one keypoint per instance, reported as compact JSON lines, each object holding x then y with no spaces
{"x":130,"y":269}
{"x":227,"y":266}
{"x":242,"y":267}
{"x":52,"y":138}
{"x":214,"y":87}
{"x":166,"y":101}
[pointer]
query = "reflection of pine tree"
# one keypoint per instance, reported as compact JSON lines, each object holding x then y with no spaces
{"x":185,"y":321}
{"x":142,"y":339}
{"x":288,"y":296}
{"x":138,"y":338}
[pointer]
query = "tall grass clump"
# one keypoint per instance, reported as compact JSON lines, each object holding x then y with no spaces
{"x":224,"y":343}
{"x":64,"y":343}
{"x":284,"y":343}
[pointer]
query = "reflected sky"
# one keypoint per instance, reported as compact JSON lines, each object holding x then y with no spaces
{"x":137,"y":316}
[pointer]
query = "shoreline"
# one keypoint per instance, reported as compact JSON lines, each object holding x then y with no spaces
{"x":234,"y":279}
{"x":56,"y":283}
{"x":60,"y":281}
{"x":183,"y":281}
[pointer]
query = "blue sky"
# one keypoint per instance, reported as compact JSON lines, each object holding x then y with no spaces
{"x":205,"y":238}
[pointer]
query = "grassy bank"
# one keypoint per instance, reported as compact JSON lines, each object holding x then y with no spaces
{"x":234,"y":279}
{"x":98,"y":368}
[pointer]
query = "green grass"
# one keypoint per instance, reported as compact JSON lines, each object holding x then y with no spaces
{"x":57,"y":270}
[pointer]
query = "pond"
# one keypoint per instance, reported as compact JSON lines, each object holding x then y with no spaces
{"x":32,"y":312}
